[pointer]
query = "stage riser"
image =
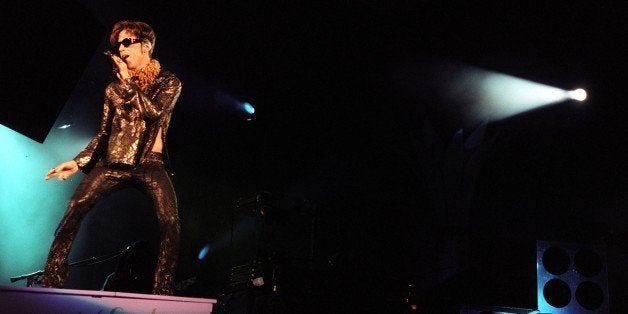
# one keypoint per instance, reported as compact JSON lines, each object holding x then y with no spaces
{"x":41,"y":300}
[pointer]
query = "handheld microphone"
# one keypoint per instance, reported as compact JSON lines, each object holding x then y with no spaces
{"x":109,"y":56}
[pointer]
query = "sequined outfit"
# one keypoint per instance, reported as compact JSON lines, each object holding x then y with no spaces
{"x":120,"y":156}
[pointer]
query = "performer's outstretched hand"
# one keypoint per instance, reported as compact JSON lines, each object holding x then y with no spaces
{"x":63,"y":171}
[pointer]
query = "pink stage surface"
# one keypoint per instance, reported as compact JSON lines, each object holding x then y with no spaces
{"x":45,"y":300}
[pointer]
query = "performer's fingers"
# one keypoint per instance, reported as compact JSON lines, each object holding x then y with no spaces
{"x":50,"y":173}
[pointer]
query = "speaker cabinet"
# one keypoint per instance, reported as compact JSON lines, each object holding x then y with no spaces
{"x":571,"y":278}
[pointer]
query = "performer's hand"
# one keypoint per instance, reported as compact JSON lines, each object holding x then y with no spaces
{"x":123,"y":70}
{"x":63,"y":171}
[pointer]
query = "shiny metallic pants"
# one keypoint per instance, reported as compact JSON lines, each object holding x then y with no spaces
{"x":151,"y":179}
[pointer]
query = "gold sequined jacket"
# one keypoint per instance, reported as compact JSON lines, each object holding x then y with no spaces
{"x":130,"y":122}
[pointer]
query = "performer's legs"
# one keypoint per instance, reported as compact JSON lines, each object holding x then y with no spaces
{"x":99,"y":183}
{"x":156,"y":184}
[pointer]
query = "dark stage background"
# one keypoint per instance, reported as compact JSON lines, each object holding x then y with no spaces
{"x":374,"y":198}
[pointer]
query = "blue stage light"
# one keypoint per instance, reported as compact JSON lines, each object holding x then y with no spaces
{"x":248,"y":108}
{"x":204,"y":252}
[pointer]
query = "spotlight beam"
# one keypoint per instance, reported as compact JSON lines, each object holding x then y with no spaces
{"x":482,"y":95}
{"x":503,"y":96}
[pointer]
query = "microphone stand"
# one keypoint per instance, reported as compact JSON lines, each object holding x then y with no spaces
{"x":33,"y":277}
{"x":30,"y":278}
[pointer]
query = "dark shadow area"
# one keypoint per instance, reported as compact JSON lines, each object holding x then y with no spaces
{"x":123,"y":223}
{"x":43,"y":59}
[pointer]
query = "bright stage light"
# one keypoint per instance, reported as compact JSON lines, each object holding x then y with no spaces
{"x":481,"y":95}
{"x":578,"y":94}
{"x":248,"y":108}
{"x":504,"y":95}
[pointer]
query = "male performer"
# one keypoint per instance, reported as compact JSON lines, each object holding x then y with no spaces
{"x":128,"y":150}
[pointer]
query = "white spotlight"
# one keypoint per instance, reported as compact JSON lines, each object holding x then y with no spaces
{"x":578,"y":94}
{"x":500,"y":95}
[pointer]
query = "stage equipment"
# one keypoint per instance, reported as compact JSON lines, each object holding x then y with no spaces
{"x":571,"y":278}
{"x":126,"y":255}
{"x":253,"y":285}
{"x":135,"y":269}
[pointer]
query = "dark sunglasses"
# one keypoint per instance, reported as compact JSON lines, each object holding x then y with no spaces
{"x":127,"y":42}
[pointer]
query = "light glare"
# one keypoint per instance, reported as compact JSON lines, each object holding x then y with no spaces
{"x":578,"y":94}
{"x":504,"y":95}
